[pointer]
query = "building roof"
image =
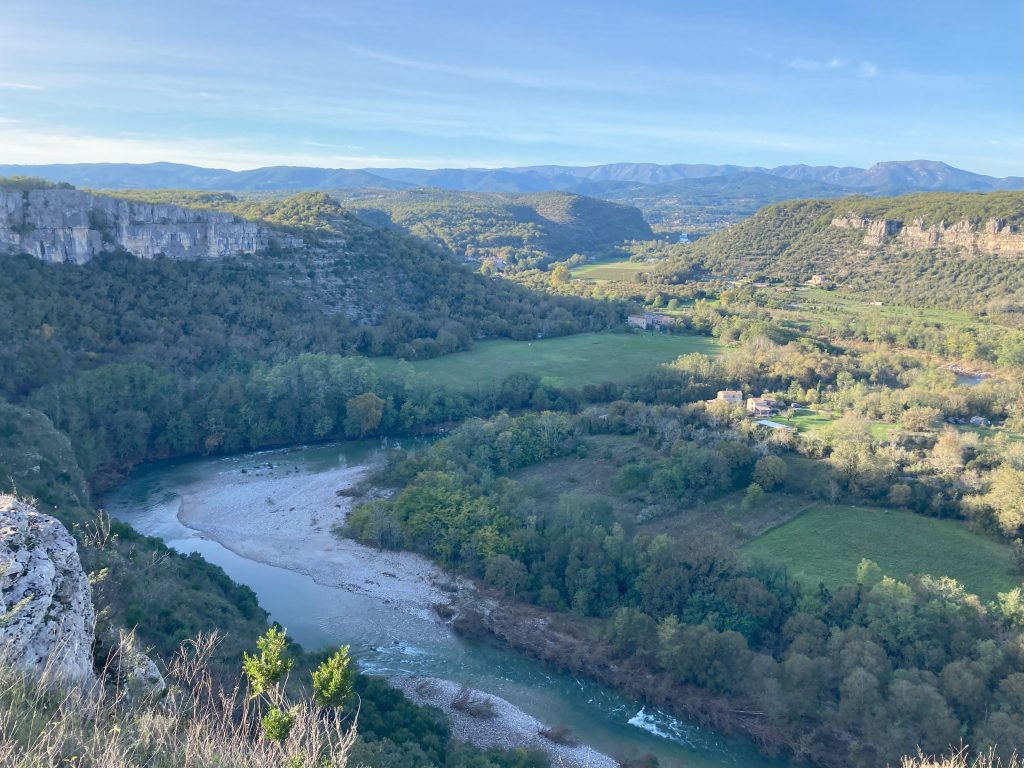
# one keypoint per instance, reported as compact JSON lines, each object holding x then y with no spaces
{"x":775,"y":425}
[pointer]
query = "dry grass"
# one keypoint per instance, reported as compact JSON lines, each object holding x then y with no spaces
{"x":199,"y":724}
{"x":962,"y":759}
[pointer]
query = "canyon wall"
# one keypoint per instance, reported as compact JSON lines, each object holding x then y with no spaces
{"x":994,"y":236}
{"x":68,"y":225}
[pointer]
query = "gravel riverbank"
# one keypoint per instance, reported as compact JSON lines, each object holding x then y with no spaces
{"x":285,"y":520}
{"x":505,"y":727}
{"x":284,"y":517}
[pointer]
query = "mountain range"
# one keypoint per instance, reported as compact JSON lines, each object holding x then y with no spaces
{"x":894,"y":177}
{"x":687,"y":197}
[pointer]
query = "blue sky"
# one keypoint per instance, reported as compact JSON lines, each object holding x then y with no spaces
{"x":452,"y":84}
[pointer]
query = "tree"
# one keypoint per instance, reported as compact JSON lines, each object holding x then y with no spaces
{"x":267,"y":673}
{"x":333,"y":680}
{"x":753,"y":496}
{"x":920,"y":418}
{"x":363,"y":414}
{"x":1006,"y":498}
{"x":506,"y":574}
{"x":770,"y":472}
{"x":560,"y":275}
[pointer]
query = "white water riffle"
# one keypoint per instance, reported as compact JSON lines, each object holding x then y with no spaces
{"x":266,"y":519}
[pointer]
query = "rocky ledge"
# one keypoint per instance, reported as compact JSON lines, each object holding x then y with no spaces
{"x":46,"y":613}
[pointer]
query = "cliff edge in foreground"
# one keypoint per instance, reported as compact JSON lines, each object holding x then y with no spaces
{"x":46,"y":613}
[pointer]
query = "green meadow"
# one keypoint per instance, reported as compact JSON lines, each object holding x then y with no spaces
{"x":825,"y":544}
{"x":565,"y":361}
{"x":602,"y":272}
{"x":806,"y":420}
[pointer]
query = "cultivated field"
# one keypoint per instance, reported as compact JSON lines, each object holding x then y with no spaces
{"x":610,"y":270}
{"x":567,"y":361}
{"x":826,"y":543}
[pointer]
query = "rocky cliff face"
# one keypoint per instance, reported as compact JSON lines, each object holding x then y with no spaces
{"x":46,"y":614}
{"x":995,"y":236}
{"x":67,"y":225}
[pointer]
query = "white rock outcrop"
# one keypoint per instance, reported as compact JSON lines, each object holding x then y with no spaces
{"x":68,"y":225}
{"x":46,"y":614}
{"x":995,"y":236}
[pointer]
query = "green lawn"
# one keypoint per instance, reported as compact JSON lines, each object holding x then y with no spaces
{"x":566,"y":361}
{"x":825,"y":544}
{"x":806,"y":420}
{"x":610,"y":270}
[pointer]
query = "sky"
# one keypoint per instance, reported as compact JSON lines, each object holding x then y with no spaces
{"x":396,"y":83}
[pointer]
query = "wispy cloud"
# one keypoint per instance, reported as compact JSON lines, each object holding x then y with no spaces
{"x":810,"y":65}
{"x":23,"y":146}
{"x":499,"y":76}
{"x":863,"y":68}
{"x":20,"y":87}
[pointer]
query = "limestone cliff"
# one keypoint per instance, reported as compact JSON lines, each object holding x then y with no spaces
{"x":46,"y":613}
{"x":995,"y":236}
{"x":67,"y":225}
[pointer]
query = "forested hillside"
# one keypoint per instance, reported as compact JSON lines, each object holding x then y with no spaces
{"x":131,"y":350}
{"x":523,"y":230}
{"x":928,"y":249}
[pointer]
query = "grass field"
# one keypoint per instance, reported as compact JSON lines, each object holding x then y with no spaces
{"x":806,"y":420}
{"x":826,"y":543}
{"x":860,"y":304}
{"x":610,"y":270}
{"x":987,"y":432}
{"x":566,"y":361}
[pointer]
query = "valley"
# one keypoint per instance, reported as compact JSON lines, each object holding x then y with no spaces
{"x":479,"y":385}
{"x":651,"y":491}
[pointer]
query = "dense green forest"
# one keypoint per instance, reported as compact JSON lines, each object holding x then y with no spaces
{"x":528,"y":230}
{"x":143,"y":359}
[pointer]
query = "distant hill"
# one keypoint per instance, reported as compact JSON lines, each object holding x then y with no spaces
{"x":947,"y":249}
{"x":709,"y":201}
{"x":525,"y":230}
{"x":681,"y":195}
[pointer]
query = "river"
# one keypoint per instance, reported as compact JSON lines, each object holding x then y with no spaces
{"x":390,"y":641}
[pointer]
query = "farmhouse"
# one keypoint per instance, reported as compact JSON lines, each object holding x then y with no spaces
{"x":820,"y":281}
{"x":731,"y":396}
{"x":639,"y":321}
{"x":760,"y":406}
{"x":650,"y":320}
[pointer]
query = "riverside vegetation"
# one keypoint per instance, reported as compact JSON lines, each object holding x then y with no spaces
{"x":611,"y":518}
